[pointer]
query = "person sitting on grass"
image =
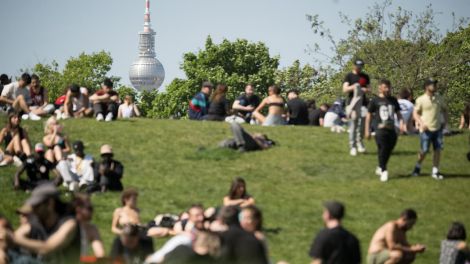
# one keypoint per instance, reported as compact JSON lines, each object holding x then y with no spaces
{"x":238,"y":195}
{"x":128,"y":108}
{"x":89,"y":233}
{"x":219,"y":105}
{"x":243,"y":141}
{"x":454,"y":250}
{"x":297,"y":108}
{"x":55,"y":140}
{"x":76,"y":103}
{"x":316,"y":117}
{"x":37,"y":171}
{"x":276,"y":108}
{"x":389,"y":244}
{"x":246,"y":103}
{"x":108,"y":172}
{"x":39,"y":99}
{"x":131,"y":246}
{"x":199,"y":104}
{"x":17,"y":96}
{"x":128,"y":214}
{"x":16,"y":140}
{"x":105,"y":102}
{"x":465,"y":118}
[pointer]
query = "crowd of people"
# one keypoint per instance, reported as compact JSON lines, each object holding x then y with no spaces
{"x":52,"y":230}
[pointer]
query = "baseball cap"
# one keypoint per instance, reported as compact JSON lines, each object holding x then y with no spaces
{"x":429,"y":82}
{"x":207,"y":84}
{"x":40,"y":194}
{"x":106,"y":149}
{"x":39,"y":147}
{"x":78,"y":145}
{"x":335,"y":208}
{"x":359,"y":62}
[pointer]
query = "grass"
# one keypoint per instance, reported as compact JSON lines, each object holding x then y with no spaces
{"x":176,"y":163}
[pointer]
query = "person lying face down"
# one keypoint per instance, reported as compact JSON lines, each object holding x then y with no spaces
{"x":243,"y":141}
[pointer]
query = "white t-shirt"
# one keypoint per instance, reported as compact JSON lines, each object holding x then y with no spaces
{"x":13,"y":90}
{"x":127,"y":110}
{"x":406,"y":109}
{"x":331,"y":119}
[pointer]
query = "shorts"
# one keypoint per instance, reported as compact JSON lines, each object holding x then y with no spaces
{"x":434,"y":137}
{"x":379,"y":257}
{"x":274,"y":120}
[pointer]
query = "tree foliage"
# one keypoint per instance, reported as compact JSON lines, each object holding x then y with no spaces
{"x":232,"y":63}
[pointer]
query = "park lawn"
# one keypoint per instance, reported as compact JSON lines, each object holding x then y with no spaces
{"x":175,"y":163}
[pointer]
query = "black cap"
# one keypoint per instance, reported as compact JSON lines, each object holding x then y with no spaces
{"x":207,"y":84}
{"x":108,"y":83}
{"x":359,"y":62}
{"x":78,"y":145}
{"x":429,"y":82}
{"x":335,"y":208}
{"x":74,"y":88}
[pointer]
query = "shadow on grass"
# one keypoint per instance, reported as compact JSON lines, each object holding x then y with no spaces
{"x":216,"y":154}
{"x":274,"y":231}
{"x":422,"y":175}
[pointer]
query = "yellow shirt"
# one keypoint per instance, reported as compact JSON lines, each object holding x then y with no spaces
{"x":430,"y":110}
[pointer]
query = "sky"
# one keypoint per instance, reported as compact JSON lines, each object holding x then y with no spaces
{"x":39,"y":31}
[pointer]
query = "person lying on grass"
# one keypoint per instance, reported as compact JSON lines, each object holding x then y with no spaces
{"x":243,"y":141}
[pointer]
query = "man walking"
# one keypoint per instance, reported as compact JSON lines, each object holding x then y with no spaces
{"x":356,"y":85}
{"x":430,"y":113}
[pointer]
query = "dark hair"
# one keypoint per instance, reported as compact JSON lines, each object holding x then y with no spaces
{"x":196,"y":205}
{"x":81,"y":201}
{"x":130,"y":230}
{"x":229,"y":215}
{"x":275,"y":89}
{"x":466,"y":113}
{"x":293,"y":91}
{"x":26,"y":78}
{"x":250,"y":84}
{"x":404,"y":93}
{"x":457,"y":231}
{"x":325,"y":105}
{"x":108,"y":83}
{"x":257,"y":215}
{"x":386,"y":82}
{"x":4,"y":79}
{"x":74,"y":88}
{"x":409,"y":214}
{"x":128,"y":193}
{"x":219,"y":92}
{"x":335,"y":209}
{"x":207,"y":84}
{"x":312,"y":104}
{"x":237,"y":182}
{"x":34,"y":77}
{"x":9,"y":126}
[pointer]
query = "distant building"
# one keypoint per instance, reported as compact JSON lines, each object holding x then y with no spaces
{"x":147,"y":73}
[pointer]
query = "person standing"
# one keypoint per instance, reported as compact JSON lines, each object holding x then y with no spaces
{"x":356,"y":85}
{"x":430,"y":114}
{"x":199,"y":105}
{"x":384,"y":108}
{"x":334,"y":244}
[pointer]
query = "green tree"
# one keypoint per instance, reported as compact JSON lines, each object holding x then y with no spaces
{"x":233,"y":63}
{"x":295,"y":76}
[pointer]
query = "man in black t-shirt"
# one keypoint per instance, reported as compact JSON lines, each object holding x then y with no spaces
{"x":334,"y":244}
{"x":37,"y":169}
{"x":316,"y":117}
{"x":356,"y":85}
{"x":384,"y":108}
{"x":246,"y":103}
{"x":297,"y":109}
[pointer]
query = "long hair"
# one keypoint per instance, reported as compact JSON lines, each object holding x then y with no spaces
{"x":9,"y":125}
{"x":127,"y":194}
{"x":219,"y":92}
{"x":48,"y":124}
{"x":232,"y":193}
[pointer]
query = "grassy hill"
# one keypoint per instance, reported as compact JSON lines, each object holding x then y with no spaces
{"x":176,"y":163}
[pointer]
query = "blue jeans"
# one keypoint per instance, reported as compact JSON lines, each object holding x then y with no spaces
{"x":428,"y":137}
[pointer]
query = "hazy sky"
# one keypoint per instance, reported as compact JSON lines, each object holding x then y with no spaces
{"x":44,"y":30}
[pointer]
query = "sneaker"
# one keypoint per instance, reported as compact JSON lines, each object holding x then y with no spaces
{"x":437,"y":176}
{"x":416,"y":172}
{"x":384,"y":176}
{"x":378,"y":171}
{"x":58,"y":114}
{"x":361,"y":148}
{"x":99,"y":117}
{"x":353,"y":152}
{"x":25,"y":117}
{"x":109,"y":117}
{"x":17,"y":161}
{"x":34,"y":117}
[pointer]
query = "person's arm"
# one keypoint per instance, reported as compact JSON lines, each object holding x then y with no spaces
{"x":136,"y":110}
{"x":96,"y":242}
{"x":177,"y":228}
{"x":248,"y":202}
{"x":67,"y":148}
{"x":347,"y":87}
{"x":2,"y":135}
{"x":60,"y":239}
{"x":6,"y":93}
{"x":230,"y":202}
{"x":237,"y":106}
{"x":367,"y":126}
{"x":68,"y":103}
{"x":114,"y":225}
{"x":120,"y":111}
{"x":462,"y":122}
{"x":95,"y":98}
{"x":45,"y":98}
{"x":261,"y":106}
{"x":393,"y":245}
{"x":417,"y":116}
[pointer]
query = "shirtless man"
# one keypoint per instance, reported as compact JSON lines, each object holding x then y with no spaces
{"x":389,"y":244}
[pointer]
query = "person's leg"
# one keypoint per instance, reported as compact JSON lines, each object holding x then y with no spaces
{"x":424,"y":148}
{"x":437,"y":146}
{"x":242,"y":138}
{"x":258,"y":116}
{"x":50,"y":155}
{"x":395,"y":257}
{"x":360,"y":134}
{"x":20,"y":104}
{"x":25,"y":147}
{"x":98,"y":109}
{"x":353,"y":122}
{"x":113,"y":108}
{"x":58,"y":154}
{"x":379,"y":139}
{"x":389,"y":144}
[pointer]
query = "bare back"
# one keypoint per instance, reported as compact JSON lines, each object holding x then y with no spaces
{"x":386,"y":237}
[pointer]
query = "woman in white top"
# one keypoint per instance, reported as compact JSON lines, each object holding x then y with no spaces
{"x":128,"y":109}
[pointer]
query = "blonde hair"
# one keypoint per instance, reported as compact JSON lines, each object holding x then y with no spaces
{"x":49,"y":123}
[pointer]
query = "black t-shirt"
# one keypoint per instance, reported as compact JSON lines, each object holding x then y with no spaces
{"x":136,"y":255}
{"x":185,"y":255}
{"x":336,"y":246}
{"x":241,"y":247}
{"x":315,"y":115}
{"x":39,"y":169}
{"x":384,"y":110}
{"x":219,"y":108}
{"x":362,"y":79}
{"x":244,"y":100}
{"x":298,"y":112}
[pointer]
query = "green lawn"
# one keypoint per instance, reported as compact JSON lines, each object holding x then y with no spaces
{"x":176,"y":163}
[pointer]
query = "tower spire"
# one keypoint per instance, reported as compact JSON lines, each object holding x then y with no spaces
{"x":147,"y":16}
